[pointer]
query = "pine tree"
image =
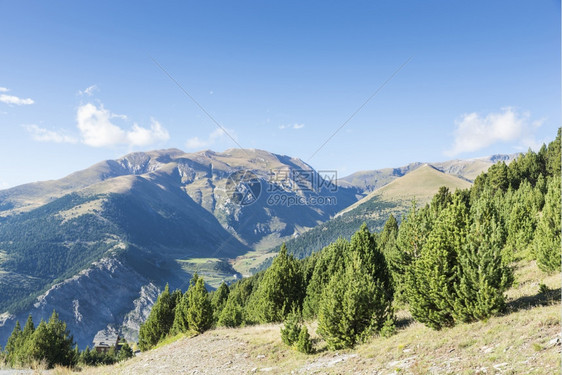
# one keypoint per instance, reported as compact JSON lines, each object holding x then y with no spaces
{"x":232,"y":315}
{"x":51,"y":342}
{"x":411,"y":238}
{"x":547,"y":237}
{"x":330,"y":262}
{"x":498,"y":177}
{"x":484,"y":275}
{"x":333,"y":325}
{"x":441,"y":200}
{"x":304,"y":345}
{"x":125,"y":353}
{"x":218,"y":301}
{"x":389,"y":233}
{"x":353,"y":304}
{"x":521,"y":222}
{"x":553,"y":156}
{"x":200,"y":311}
{"x":159,"y":322}
{"x":372,"y":261}
{"x":430,"y":281}
{"x":291,"y":329}
{"x":280,"y":291}
{"x":181,"y":323}
{"x":13,"y":344}
{"x":23,"y":355}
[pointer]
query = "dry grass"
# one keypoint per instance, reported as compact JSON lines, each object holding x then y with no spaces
{"x":421,"y":185}
{"x":522,"y":341}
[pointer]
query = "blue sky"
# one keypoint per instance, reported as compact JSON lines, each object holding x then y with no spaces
{"x":78,"y":85}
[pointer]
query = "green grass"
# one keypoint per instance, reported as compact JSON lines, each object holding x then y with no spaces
{"x":213,"y":270}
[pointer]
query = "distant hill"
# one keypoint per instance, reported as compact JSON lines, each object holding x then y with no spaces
{"x":420,"y":184}
{"x":369,"y":181}
{"x":394,"y":198}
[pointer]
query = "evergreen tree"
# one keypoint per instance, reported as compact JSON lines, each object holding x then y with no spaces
{"x":333,"y":325}
{"x":51,"y":342}
{"x":411,"y":238}
{"x":200,"y":311}
{"x":372,"y":261}
{"x":304,"y":345}
{"x":159,"y":322}
{"x":353,"y":305}
{"x":430,"y":282}
{"x":547,"y":237}
{"x":125,"y":353}
{"x":388,"y":234}
{"x":440,"y":200}
{"x":291,"y":329}
{"x":232,"y":314}
{"x":22,"y":355}
{"x":218,"y":301}
{"x":498,"y":177}
{"x":181,"y":323}
{"x":553,"y":156}
{"x":483,"y":274}
{"x":330,"y":262}
{"x":280,"y":291}
{"x":13,"y":344}
{"x":521,"y":222}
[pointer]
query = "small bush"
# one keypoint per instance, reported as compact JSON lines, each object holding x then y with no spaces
{"x":389,"y":328}
{"x":304,"y":345}
{"x":291,"y":329}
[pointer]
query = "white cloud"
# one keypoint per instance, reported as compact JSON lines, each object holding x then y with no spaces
{"x":13,"y":100}
{"x":293,"y":126}
{"x":215,"y":136}
{"x":88,"y":91}
{"x":196,"y":143}
{"x":97,"y":129}
{"x":474,"y":132}
{"x":45,"y":135}
{"x":139,"y":136}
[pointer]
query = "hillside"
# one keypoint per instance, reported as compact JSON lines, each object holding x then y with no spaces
{"x":369,"y":181}
{"x":394,"y":198}
{"x":531,"y":345}
{"x":420,"y":184}
{"x":100,"y":244}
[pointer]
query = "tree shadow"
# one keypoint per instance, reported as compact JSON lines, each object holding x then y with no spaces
{"x":402,"y":323}
{"x":541,"y":299}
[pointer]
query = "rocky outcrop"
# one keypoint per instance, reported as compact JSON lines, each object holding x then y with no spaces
{"x":107,"y":294}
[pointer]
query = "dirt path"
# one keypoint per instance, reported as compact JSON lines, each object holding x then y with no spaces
{"x":203,"y":354}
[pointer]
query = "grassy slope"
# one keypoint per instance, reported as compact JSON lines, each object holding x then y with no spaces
{"x":394,"y":198}
{"x":519,"y":342}
{"x":421,"y":184}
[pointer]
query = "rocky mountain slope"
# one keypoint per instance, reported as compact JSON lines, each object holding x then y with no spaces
{"x":93,"y":244}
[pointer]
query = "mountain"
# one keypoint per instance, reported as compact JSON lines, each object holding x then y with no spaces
{"x":420,"y":184}
{"x":369,"y":181}
{"x":393,"y":198}
{"x":99,"y":244}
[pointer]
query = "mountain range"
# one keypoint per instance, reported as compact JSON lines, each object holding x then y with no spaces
{"x":99,"y":244}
